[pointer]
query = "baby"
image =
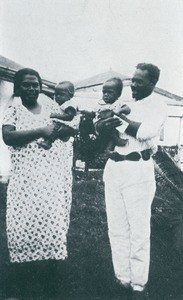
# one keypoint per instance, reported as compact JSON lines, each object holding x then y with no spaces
{"x":64,"y":91}
{"x":110,"y":106}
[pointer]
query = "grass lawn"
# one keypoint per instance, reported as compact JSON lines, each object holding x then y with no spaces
{"x":89,"y":272}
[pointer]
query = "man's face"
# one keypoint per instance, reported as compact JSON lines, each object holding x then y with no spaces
{"x":29,"y":90}
{"x":110,"y":92}
{"x":141,"y":85}
{"x":61,"y":95}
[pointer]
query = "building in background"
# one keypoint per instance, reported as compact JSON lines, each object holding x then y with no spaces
{"x":88,"y":91}
{"x":171,"y":136}
{"x":6,"y":91}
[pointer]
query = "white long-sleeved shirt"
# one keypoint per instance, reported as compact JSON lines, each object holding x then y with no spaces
{"x":151,"y":112}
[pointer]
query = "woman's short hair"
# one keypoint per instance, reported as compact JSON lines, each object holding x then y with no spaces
{"x":19,"y":77}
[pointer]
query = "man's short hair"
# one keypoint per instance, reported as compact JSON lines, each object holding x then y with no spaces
{"x":153,"y":71}
{"x":118,"y":82}
{"x":19,"y":77}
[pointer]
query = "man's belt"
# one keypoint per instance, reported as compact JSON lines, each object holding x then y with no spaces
{"x":133,"y":156}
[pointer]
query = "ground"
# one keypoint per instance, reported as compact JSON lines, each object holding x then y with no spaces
{"x":89,"y":272}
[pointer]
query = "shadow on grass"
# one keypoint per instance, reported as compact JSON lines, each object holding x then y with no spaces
{"x":89,"y":272}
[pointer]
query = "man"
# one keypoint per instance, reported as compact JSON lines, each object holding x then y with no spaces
{"x":130,"y":182}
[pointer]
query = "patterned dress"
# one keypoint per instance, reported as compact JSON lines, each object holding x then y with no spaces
{"x":39,"y":192}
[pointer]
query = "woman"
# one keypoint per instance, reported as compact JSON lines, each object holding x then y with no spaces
{"x":40,"y":188}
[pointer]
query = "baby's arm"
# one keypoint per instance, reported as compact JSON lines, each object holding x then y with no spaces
{"x":106,"y":113}
{"x":124,"y":109}
{"x":67,"y":115}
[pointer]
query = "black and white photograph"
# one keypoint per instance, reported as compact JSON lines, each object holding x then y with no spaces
{"x":91,"y":150}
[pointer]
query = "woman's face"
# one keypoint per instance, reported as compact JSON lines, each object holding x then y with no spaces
{"x":29,"y":90}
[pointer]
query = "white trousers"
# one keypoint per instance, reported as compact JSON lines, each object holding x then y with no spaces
{"x":129,"y":191}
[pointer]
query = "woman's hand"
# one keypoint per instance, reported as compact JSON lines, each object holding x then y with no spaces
{"x":53,"y":115}
{"x":18,"y":138}
{"x":57,"y":115}
{"x":106,"y":125}
{"x":47,"y":131}
{"x":65,"y":131}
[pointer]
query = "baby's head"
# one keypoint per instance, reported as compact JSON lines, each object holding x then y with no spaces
{"x":64,"y":91}
{"x":112,"y":90}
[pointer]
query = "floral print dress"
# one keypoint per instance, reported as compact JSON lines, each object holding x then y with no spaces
{"x":39,"y":192}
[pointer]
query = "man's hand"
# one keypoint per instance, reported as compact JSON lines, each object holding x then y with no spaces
{"x":124,"y":118}
{"x":125,"y":109}
{"x":106,"y":125}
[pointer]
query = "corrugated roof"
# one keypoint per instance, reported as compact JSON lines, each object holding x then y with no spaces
{"x":10,"y":64}
{"x":168,"y":94}
{"x":99,"y":79}
{"x":8,"y":68}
